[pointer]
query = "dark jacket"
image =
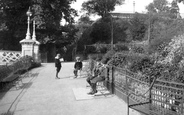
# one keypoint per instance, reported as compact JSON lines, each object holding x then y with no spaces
{"x":78,"y":65}
{"x":57,"y":63}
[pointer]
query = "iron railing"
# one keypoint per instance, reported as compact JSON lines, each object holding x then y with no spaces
{"x":149,"y":96}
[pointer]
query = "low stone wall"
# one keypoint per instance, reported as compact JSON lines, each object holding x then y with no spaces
{"x":9,"y":56}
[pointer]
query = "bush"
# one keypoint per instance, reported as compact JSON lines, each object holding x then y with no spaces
{"x":141,"y":64}
{"x":138,"y":49}
{"x":119,"y":48}
{"x":19,"y":67}
{"x":125,"y":59}
{"x":95,"y":56}
{"x":108,"y":56}
{"x":4,"y":71}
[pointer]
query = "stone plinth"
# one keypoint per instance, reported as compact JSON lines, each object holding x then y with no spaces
{"x":27,"y":47}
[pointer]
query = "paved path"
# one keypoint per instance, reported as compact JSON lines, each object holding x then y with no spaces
{"x":45,"y":95}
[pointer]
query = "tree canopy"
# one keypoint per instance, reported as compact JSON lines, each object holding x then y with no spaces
{"x":180,"y":1}
{"x":47,"y":14}
{"x":100,"y":7}
{"x":158,"y":6}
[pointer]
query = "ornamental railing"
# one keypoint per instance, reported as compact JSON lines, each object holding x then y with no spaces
{"x":9,"y":56}
{"x":148,"y":96}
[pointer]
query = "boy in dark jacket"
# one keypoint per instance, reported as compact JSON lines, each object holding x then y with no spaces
{"x":78,"y":66}
{"x":57,"y":64}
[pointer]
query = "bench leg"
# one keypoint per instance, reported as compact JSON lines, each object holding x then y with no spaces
{"x":101,"y":85}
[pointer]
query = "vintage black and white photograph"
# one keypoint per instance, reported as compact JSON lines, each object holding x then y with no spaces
{"x":91,"y":57}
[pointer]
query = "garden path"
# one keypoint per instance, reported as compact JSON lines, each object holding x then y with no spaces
{"x":42,"y":94}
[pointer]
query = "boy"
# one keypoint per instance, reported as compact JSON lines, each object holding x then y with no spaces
{"x":78,"y":66}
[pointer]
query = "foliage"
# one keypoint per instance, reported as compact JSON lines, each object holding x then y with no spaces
{"x":85,"y":19}
{"x":96,"y":56}
{"x":20,"y":66}
{"x":4,"y":71}
{"x":104,"y":48}
{"x":174,"y":51}
{"x":168,"y":65}
{"x":158,"y":6}
{"x":101,"y":31}
{"x":138,"y":47}
{"x":175,"y":28}
{"x":120,"y":28}
{"x":174,"y":10}
{"x":138,"y":26}
{"x":100,"y":7}
{"x":108,"y":56}
{"x":141,"y":64}
{"x":124,"y":59}
{"x":180,"y":1}
{"x":47,"y":14}
{"x":85,"y":39}
{"x":120,"y":47}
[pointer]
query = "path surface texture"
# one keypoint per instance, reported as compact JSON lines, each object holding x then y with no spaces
{"x":42,"y":94}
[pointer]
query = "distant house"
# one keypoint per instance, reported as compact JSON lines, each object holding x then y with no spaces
{"x":126,"y":16}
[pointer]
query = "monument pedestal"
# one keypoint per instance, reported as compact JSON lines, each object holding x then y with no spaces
{"x":27,"y":47}
{"x":30,"y":48}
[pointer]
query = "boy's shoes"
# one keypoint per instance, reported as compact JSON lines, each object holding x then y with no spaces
{"x":57,"y":78}
{"x":92,"y":92}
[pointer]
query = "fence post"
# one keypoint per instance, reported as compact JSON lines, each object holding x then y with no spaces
{"x":150,"y":93}
{"x":112,"y":80}
{"x":182,"y":105}
{"x":127,"y":92}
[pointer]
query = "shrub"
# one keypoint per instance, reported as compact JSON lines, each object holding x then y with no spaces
{"x":119,"y":48}
{"x":4,"y":71}
{"x":124,"y":59}
{"x":137,"y":49}
{"x":141,"y":64}
{"x":19,"y":67}
{"x":95,"y":56}
{"x":108,"y":56}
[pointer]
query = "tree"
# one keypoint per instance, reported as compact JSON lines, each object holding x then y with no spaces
{"x":100,"y":7}
{"x":174,"y":10}
{"x":180,"y":1}
{"x":138,"y":26}
{"x":83,"y":24}
{"x":47,"y":14}
{"x":158,"y":6}
{"x":85,"y":19}
{"x":101,"y":31}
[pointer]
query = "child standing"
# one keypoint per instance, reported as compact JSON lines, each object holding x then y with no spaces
{"x":77,"y":66}
{"x":57,"y":65}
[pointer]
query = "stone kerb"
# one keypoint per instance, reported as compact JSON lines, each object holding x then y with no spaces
{"x":7,"y":56}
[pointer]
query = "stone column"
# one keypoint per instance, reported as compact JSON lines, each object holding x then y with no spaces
{"x":28,"y":43}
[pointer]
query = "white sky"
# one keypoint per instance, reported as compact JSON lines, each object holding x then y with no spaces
{"x":127,"y":7}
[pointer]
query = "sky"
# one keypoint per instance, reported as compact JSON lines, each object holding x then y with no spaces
{"x":127,"y":7}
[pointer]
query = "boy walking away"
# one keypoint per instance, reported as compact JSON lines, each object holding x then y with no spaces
{"x":77,"y":67}
{"x":57,"y":65}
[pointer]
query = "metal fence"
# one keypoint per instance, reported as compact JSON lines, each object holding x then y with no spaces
{"x":149,"y":96}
